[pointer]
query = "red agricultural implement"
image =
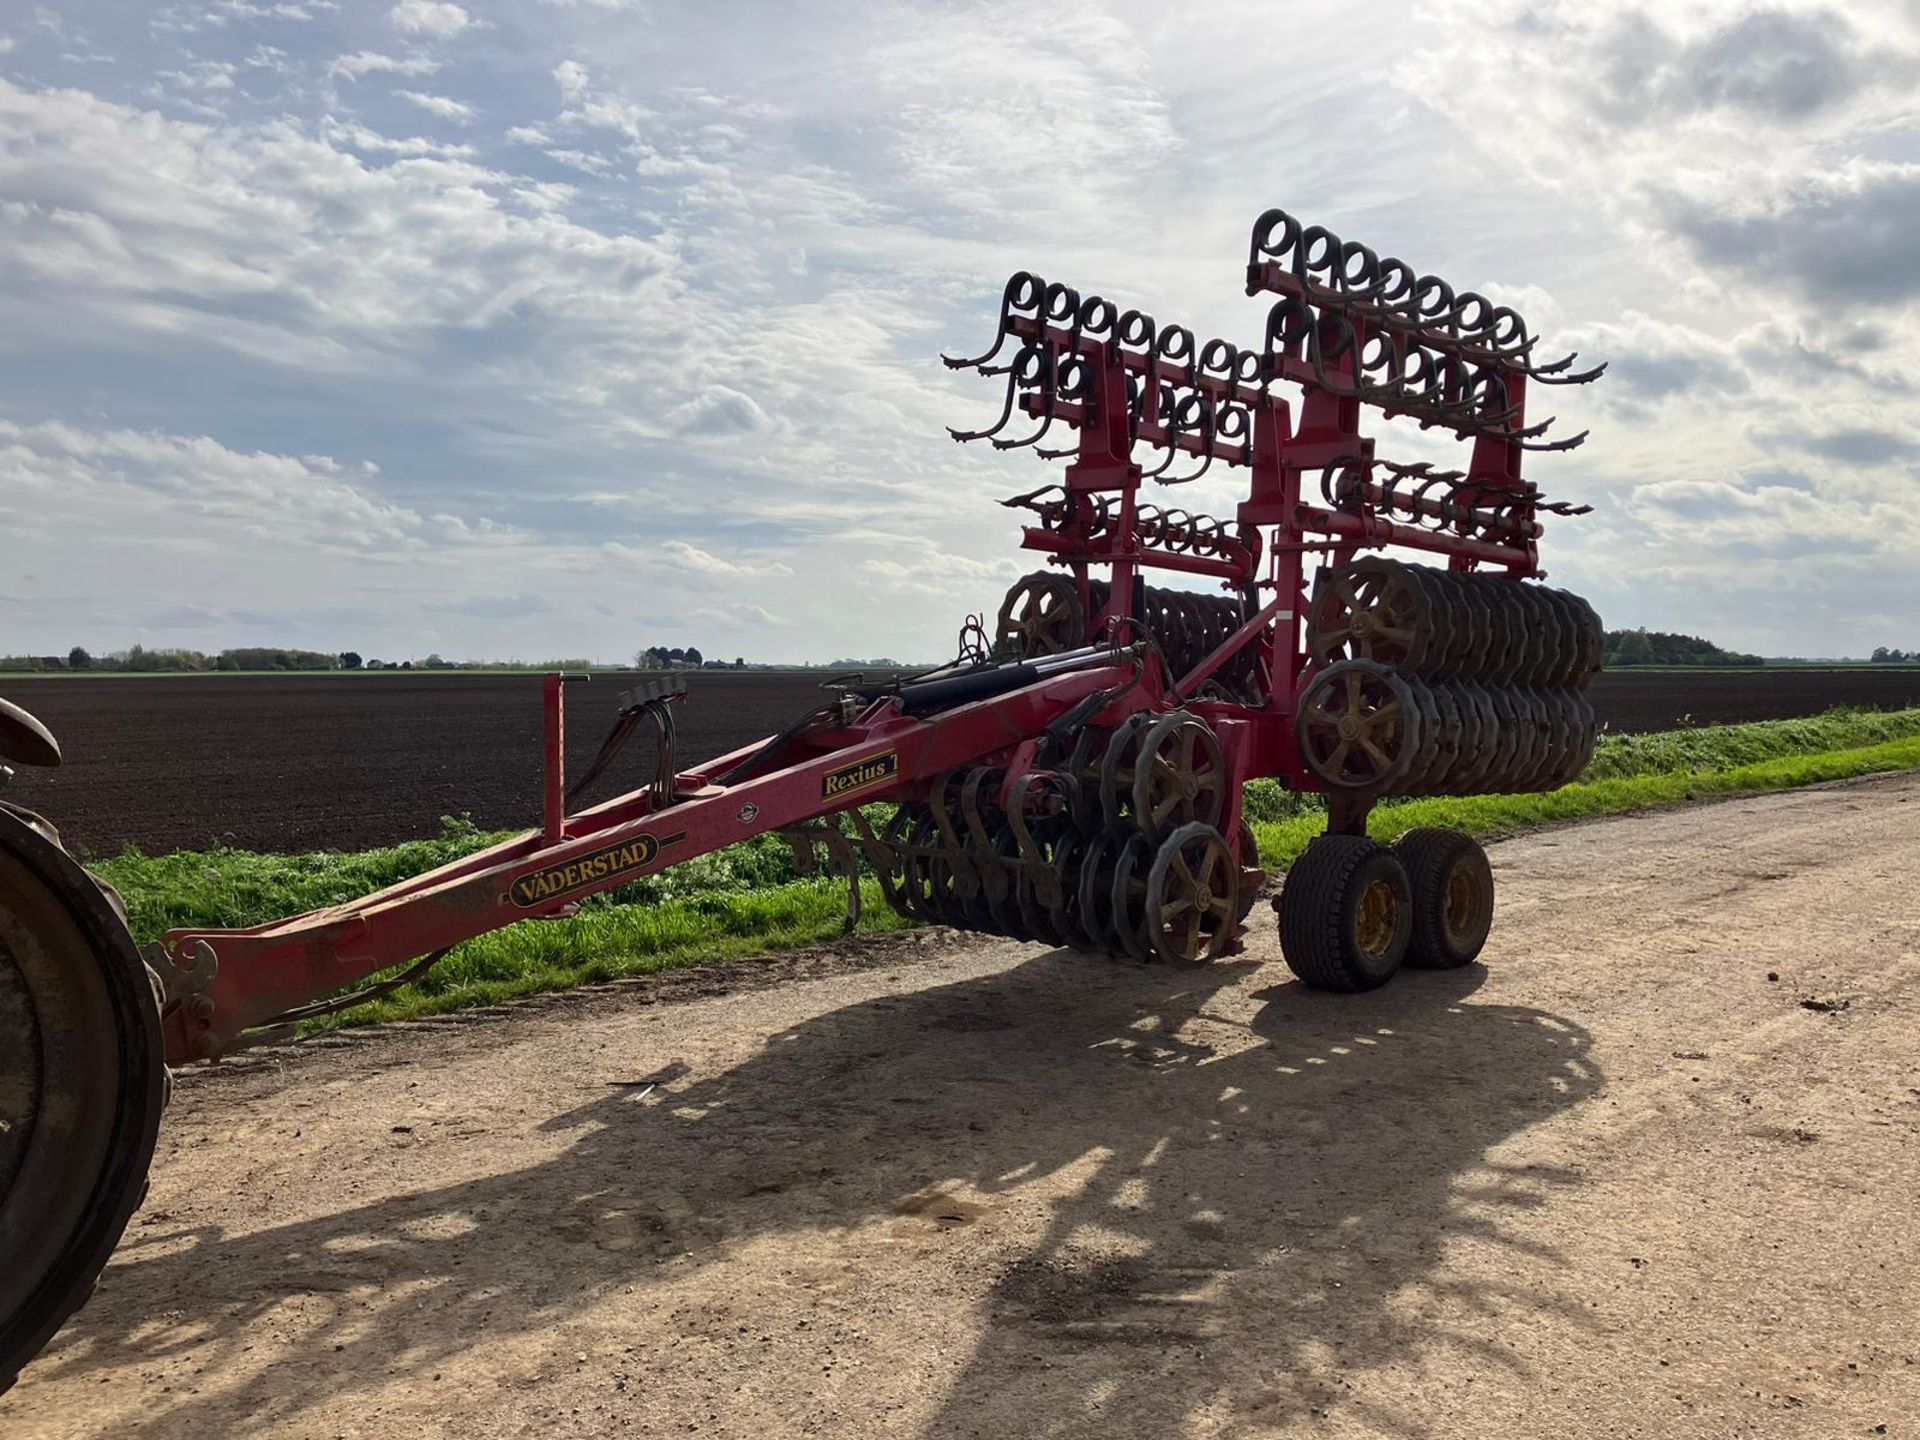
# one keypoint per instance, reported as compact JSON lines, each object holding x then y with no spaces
{"x":1072,"y":779}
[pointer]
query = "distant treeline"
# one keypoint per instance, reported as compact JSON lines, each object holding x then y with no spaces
{"x":138,"y":660}
{"x":1659,"y":647}
{"x":1883,"y":656}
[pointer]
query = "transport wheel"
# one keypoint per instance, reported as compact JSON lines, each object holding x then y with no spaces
{"x":81,"y":1086}
{"x":1345,"y":914}
{"x":1452,"y":888}
{"x":1193,"y":896}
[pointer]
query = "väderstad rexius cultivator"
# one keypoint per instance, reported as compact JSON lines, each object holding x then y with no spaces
{"x":1073,"y":777}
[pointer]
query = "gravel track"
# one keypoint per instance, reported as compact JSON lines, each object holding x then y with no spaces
{"x":1621,"y":1181}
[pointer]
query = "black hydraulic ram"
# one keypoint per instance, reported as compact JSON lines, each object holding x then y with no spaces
{"x":926,"y":696}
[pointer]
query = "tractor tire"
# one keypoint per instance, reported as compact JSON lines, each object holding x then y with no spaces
{"x":1345,"y":914}
{"x":1452,"y":897}
{"x":82,"y":1084}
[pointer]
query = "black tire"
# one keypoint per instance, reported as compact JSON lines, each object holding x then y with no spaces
{"x":82,"y":1085}
{"x":1345,"y":914}
{"x":1452,"y":886}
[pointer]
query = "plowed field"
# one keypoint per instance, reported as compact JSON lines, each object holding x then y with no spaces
{"x":298,"y":762}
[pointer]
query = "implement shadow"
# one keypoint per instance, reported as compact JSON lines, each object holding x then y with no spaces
{"x":1253,"y":1176}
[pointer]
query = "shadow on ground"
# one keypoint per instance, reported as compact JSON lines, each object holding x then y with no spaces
{"x":1258,"y":1196}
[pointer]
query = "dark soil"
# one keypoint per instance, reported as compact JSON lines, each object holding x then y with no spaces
{"x":329,"y":761}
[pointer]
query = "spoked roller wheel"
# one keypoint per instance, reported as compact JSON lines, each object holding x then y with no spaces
{"x":1193,"y":896}
{"x":1372,"y":609}
{"x":1037,"y":907}
{"x":1118,"y":765}
{"x":81,"y":1086}
{"x":1096,"y":892}
{"x":1132,"y":866}
{"x":915,"y":828}
{"x":1041,"y":615}
{"x":1178,"y":776}
{"x":1358,"y":726}
{"x":1451,"y":885}
{"x":1345,"y":914}
{"x":1069,"y":854}
{"x":1004,"y":901}
{"x":1084,"y":803}
{"x":891,"y":874}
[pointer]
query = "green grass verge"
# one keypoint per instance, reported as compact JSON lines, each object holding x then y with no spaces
{"x":1491,"y":816}
{"x":749,"y":900}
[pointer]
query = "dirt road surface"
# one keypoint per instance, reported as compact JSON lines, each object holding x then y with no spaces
{"x":1621,"y":1181}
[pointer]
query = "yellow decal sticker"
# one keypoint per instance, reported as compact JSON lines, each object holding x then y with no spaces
{"x":860,"y":775}
{"x":550,"y":882}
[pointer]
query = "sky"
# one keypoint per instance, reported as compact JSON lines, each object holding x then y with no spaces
{"x":545,"y":328}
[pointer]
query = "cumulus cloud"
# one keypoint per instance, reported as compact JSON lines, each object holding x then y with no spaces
{"x":684,"y":556}
{"x":186,"y":18}
{"x":1845,"y":237}
{"x":369,"y":62}
{"x":1768,"y":65}
{"x":438,"y":18}
{"x":443,"y":106}
{"x":571,"y":76}
{"x":275,"y":237}
{"x":1752,"y":139}
{"x":212,"y":493}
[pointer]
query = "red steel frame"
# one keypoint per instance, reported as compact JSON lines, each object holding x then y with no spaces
{"x":224,"y":983}
{"x":240,"y":979}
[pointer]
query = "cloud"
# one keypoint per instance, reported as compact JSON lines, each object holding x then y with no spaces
{"x":571,"y":76}
{"x":718,"y":410}
{"x":278,"y":242}
{"x":440,"y":105}
{"x":438,"y":18}
{"x":684,"y":556}
{"x":359,"y":137}
{"x":205,"y":76}
{"x":1842,"y":238}
{"x":369,"y":62}
{"x":742,"y":617}
{"x":222,"y":13}
{"x":581,"y":160}
{"x":1759,"y":142}
{"x":1861,"y":446}
{"x":196,"y":492}
{"x":1652,"y":359}
{"x":1769,"y":65}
